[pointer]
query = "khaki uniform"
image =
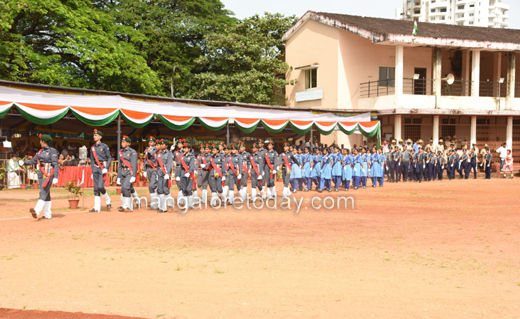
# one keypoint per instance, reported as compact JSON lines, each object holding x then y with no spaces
{"x":439,"y":147}
{"x":482,"y":153}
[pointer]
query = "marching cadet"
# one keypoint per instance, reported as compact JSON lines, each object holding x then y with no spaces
{"x":397,"y":164}
{"x":246,"y":170}
{"x":382,"y":165}
{"x":413,"y":166}
{"x":347,"y":169}
{"x":187,"y":161}
{"x":299,"y":157}
{"x":127,"y":171}
{"x":286,"y":159}
{"x":270,"y":158}
{"x":488,"y":158}
{"x":177,"y":154}
{"x":235,"y":171}
{"x":464,"y":161}
{"x":197,"y":173}
{"x":375,"y":166}
{"x":326,"y":171}
{"x":100,"y":159}
{"x":307,"y":158}
{"x":216,"y":176}
{"x":261,"y":152}
{"x":421,"y":164}
{"x":202,"y":161}
{"x":391,"y":163}
{"x":48,"y":168}
{"x":441,"y":163}
{"x":358,"y":167}
{"x":150,"y":172}
{"x":405,"y":162}
{"x":472,"y":163}
{"x":296,"y":173}
{"x":475,"y":148}
{"x":257,"y":173}
{"x":429,"y":166}
{"x":458,"y":163}
{"x":451,"y":164}
{"x":316,"y":169}
{"x":337,"y":168}
{"x":433,"y":163}
{"x":164,"y":169}
{"x":365,"y":163}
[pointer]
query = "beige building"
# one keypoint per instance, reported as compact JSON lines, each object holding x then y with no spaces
{"x":360,"y":63}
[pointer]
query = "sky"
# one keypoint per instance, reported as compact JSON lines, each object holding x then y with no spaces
{"x":372,"y":8}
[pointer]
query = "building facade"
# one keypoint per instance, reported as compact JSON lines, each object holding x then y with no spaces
{"x":359,"y":63}
{"x":482,"y":13}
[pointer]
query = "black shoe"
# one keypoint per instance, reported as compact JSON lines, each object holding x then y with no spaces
{"x":364,"y":187}
{"x":306,"y":190}
{"x":373,"y":185}
{"x":109,"y":206}
{"x":33,"y":213}
{"x":121,"y":209}
{"x":319,"y":190}
{"x":355,"y":188}
{"x":93,"y":211}
{"x":162,"y":211}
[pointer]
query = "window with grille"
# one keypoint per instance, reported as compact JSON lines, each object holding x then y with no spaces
{"x":447,"y":130}
{"x":311,"y":78}
{"x":412,"y":131}
{"x":483,"y":121}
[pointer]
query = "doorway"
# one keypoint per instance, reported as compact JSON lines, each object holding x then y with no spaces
{"x":419,"y":85}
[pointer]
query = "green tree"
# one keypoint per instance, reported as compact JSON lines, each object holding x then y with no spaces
{"x":245,"y":62}
{"x":71,"y":43}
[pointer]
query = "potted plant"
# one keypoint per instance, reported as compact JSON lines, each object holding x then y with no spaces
{"x":75,"y":191}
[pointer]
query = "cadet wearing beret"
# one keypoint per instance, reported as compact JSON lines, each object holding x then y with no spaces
{"x":100,"y":160}
{"x":47,"y":161}
{"x":150,"y":166}
{"x":127,"y":171}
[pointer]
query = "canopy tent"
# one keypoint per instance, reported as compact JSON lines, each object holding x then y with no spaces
{"x":48,"y":108}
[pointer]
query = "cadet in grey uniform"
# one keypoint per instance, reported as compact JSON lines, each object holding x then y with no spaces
{"x":270,"y":157}
{"x":177,"y":155}
{"x":257,"y":172}
{"x":246,"y":170}
{"x":100,"y":159}
{"x":405,"y":162}
{"x":204,"y":169}
{"x":286,"y":159}
{"x":164,"y":171}
{"x":150,"y":172}
{"x":261,"y":153}
{"x":464,"y":167}
{"x":216,"y":176}
{"x":235,"y":170}
{"x":187,"y":174}
{"x":48,"y":167}
{"x":126,"y":173}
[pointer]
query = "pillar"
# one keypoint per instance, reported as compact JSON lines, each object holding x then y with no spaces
{"x":466,"y":58}
{"x":437,"y":74}
{"x":435,"y":130}
{"x":511,"y":78}
{"x":497,"y":66}
{"x":397,"y":127}
{"x":399,"y":74}
{"x":473,"y":130}
{"x":475,"y":73}
{"x":509,"y":132}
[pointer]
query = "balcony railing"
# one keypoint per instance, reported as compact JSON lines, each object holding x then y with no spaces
{"x":425,"y":87}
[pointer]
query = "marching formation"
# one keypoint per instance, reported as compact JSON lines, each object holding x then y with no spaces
{"x":226,"y":170}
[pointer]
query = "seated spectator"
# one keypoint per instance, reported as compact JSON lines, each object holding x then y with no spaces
{"x":14,"y":170}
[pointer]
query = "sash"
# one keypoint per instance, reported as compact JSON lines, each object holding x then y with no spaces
{"x":269,"y":164}
{"x":245,"y":169}
{"x":127,"y":164}
{"x":233,"y":169}
{"x":159,"y":159}
{"x":96,"y":158}
{"x":215,"y":167}
{"x":254,"y":166}
{"x":43,"y":170}
{"x":148,"y":159}
{"x":286,"y":163}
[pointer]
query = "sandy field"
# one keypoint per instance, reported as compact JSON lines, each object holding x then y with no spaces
{"x":447,"y":249}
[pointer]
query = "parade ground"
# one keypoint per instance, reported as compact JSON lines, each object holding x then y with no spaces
{"x":445,"y":249}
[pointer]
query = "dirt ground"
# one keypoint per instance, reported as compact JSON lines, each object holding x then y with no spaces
{"x":407,"y":250}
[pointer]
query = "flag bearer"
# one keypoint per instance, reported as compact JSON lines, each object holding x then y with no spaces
{"x":48,"y":167}
{"x":127,"y":171}
{"x":100,"y":159}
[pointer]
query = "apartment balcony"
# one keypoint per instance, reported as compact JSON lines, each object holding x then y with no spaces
{"x":500,"y":5}
{"x":417,"y":94}
{"x":439,"y":4}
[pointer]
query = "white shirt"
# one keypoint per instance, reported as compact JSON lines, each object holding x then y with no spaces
{"x":503,"y":152}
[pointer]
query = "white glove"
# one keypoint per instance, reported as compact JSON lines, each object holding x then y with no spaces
{"x":442,"y":167}
{"x":144,"y":174}
{"x":427,"y":162}
{"x":132,"y":179}
{"x":118,"y":181}
{"x":387,"y":168}
{"x":363,"y":170}
{"x":166,"y":176}
{"x":104,"y":171}
{"x":21,"y":163}
{"x":274,"y":171}
{"x":489,"y":165}
{"x":91,"y":176}
{"x":177,"y":179}
{"x":424,"y":166}
{"x":187,"y":175}
{"x":223,"y":178}
{"x":344,"y":168}
{"x":355,"y":169}
{"x":239,"y":176}
{"x":55,"y":181}
{"x":451,"y":165}
{"x":202,"y":165}
{"x":399,"y":163}
{"x":259,"y":177}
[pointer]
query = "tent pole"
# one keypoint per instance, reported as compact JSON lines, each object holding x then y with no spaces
{"x":227,"y":134}
{"x":118,"y":133}
{"x":312,"y":141}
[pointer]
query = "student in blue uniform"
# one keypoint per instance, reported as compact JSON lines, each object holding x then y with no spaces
{"x":347,"y":169}
{"x":307,"y":159}
{"x":337,"y":168}
{"x":296,"y":173}
{"x":326,"y":171}
{"x":358,"y":168}
{"x":382,"y":165}
{"x":365,"y":163}
{"x":301,"y":182}
{"x":374,"y":166}
{"x":316,"y":169}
